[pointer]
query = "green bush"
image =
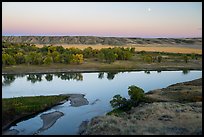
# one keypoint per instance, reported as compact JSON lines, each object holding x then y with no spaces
{"x":118,"y":101}
{"x":136,"y":94}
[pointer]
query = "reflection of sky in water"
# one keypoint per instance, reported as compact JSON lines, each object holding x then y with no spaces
{"x":94,"y":88}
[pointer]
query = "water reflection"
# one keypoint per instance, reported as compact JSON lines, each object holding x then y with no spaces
{"x":185,"y":71}
{"x":147,"y":72}
{"x":8,"y":79}
{"x":70,"y":76}
{"x":101,"y":75}
{"x":33,"y":78}
{"x":111,"y":75}
{"x":49,"y":77}
{"x":158,"y":71}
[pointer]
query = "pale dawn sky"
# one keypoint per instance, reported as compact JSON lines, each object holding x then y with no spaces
{"x":116,"y":19}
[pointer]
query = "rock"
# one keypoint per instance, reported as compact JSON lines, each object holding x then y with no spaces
{"x":83,"y":126}
{"x":180,"y":110}
{"x":176,"y":130}
{"x":165,"y":118}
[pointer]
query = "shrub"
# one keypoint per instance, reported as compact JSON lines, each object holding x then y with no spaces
{"x":185,"y":58}
{"x":47,"y":60}
{"x":148,"y":58}
{"x":118,"y":101}
{"x":136,"y":94}
{"x":78,"y":59}
{"x":120,"y":104}
{"x":159,"y":58}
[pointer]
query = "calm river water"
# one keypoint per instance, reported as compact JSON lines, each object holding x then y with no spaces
{"x":98,"y":87}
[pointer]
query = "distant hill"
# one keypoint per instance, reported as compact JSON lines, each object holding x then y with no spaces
{"x":92,"y":40}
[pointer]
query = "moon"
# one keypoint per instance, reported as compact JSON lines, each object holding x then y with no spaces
{"x":149,"y":9}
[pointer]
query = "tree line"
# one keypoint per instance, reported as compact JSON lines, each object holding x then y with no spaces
{"x":13,"y":53}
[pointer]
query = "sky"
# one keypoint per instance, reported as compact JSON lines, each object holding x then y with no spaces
{"x":106,"y":19}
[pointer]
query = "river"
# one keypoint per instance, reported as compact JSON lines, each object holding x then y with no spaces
{"x":98,"y":87}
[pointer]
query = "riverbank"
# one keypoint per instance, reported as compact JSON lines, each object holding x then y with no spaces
{"x":175,"y":110}
{"x":16,"y":109}
{"x":90,"y":65}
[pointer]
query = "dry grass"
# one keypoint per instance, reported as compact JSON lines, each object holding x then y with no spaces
{"x":153,"y":47}
{"x":170,"y":49}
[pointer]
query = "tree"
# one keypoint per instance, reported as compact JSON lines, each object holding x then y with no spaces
{"x":28,"y":59}
{"x":88,"y":52}
{"x":127,"y":55}
{"x":43,"y":50}
{"x":60,"y":49}
{"x":193,"y":56}
{"x":34,"y":58}
{"x":66,"y":58}
{"x":51,"y":49}
{"x":78,"y":59}
{"x":48,"y":60}
{"x":57,"y":59}
{"x":74,"y":51}
{"x":38,"y":59}
{"x":185,"y":57}
{"x":110,"y":56}
{"x":55,"y":56}
{"x":19,"y":57}
{"x":159,"y":58}
{"x":136,"y":94}
{"x":119,"y":52}
{"x":8,"y":59}
{"x":132,"y":50}
{"x":118,"y":101}
{"x":101,"y":56}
